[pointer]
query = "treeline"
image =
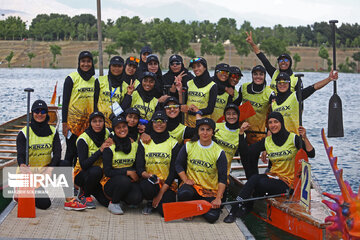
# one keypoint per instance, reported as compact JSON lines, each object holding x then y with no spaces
{"x":130,"y":34}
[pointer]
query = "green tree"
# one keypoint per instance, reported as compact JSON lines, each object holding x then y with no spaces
{"x":273,"y":46}
{"x":239,"y":41}
{"x":127,"y":41}
{"x":30,"y":55}
{"x":95,"y":56}
{"x":206,"y":47}
{"x":219,"y":51}
{"x":9,"y":57}
{"x":111,"y":50}
{"x":348,"y":66}
{"x":55,"y":50}
{"x":297,"y":59}
{"x":356,"y":57}
{"x":323,"y":53}
{"x":190,"y":52}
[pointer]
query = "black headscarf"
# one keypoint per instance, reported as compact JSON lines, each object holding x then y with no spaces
{"x":155,"y":136}
{"x":282,"y":96}
{"x":40,"y":129}
{"x":202,"y":80}
{"x":133,"y":131}
{"x":127,"y":78}
{"x":147,"y":96}
{"x":289,"y":70}
{"x":221,"y":85}
{"x":280,"y":137}
{"x":235,"y":125}
{"x":116,"y":81}
{"x":86,"y":75}
{"x":97,"y":138}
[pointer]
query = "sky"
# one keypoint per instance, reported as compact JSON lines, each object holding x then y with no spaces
{"x":259,"y":12}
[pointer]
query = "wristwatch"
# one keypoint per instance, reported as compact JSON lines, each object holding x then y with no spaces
{"x":199,"y":112}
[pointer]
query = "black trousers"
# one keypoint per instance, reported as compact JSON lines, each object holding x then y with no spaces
{"x":42,"y":200}
{"x":71,"y":150}
{"x":187,"y":193}
{"x":120,"y":188}
{"x":150,"y":191}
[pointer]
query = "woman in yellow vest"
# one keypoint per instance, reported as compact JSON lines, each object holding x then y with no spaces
{"x":120,"y":182}
{"x":44,"y":151}
{"x":286,"y":102}
{"x":144,"y":98}
{"x":155,"y":163}
{"x":79,"y":101}
{"x":201,"y":92}
{"x":201,"y":165}
{"x":130,"y":71}
{"x":225,"y":91}
{"x":88,"y":170}
{"x":281,"y":147}
{"x":259,"y":95}
{"x":115,"y":94}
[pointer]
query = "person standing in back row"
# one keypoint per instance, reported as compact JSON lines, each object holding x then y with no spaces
{"x":79,"y":101}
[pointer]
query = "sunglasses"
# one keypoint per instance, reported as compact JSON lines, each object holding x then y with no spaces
{"x":159,"y":121}
{"x":222,"y":72}
{"x":237,"y":76}
{"x":42,"y":111}
{"x":282,"y":81}
{"x":175,"y":63}
{"x":134,"y":59}
{"x":195,"y":60}
{"x":172,"y":106}
{"x":284,"y":60}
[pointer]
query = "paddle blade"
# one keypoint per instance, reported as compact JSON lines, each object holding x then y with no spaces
{"x":246,"y":111}
{"x":178,"y":210}
{"x":335,"y":120}
{"x":221,"y":119}
{"x":53,"y":98}
{"x":300,"y":156}
{"x":26,"y":203}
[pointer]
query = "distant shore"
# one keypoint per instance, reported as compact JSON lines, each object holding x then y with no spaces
{"x":310,"y":61}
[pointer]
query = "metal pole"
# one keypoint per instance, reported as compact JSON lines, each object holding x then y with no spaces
{"x":28,"y":90}
{"x":101,"y":70}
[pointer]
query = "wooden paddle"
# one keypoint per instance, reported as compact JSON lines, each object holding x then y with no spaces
{"x":26,"y":203}
{"x":301,"y":154}
{"x":53,"y":98}
{"x":178,"y":210}
{"x":335,"y":120}
{"x":246,"y":111}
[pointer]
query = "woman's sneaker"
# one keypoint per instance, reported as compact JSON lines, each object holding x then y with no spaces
{"x":148,"y":208}
{"x":74,"y":204}
{"x":88,"y":202}
{"x":115,"y":208}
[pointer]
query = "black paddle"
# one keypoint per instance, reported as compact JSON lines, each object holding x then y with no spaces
{"x":28,"y":90}
{"x":335,"y":120}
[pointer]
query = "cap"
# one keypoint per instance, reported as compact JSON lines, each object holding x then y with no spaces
{"x":283,"y":76}
{"x":132,"y":61}
{"x":85,"y":54}
{"x":235,"y":70}
{"x":159,"y":115}
{"x":152,"y":57}
{"x":199,"y":60}
{"x":146,"y":49}
{"x":132,"y":110}
{"x":149,"y":74}
{"x":233,"y":106}
{"x":39,"y":104}
{"x":175,"y":58}
{"x":171,"y":99}
{"x":116,"y":60}
{"x":117,"y":120}
{"x":258,"y":68}
{"x":207,"y":121}
{"x":96,"y":114}
{"x":222,"y":67}
{"x":284,"y":55}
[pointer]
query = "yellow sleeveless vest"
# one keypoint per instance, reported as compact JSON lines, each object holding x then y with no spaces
{"x":40,"y":148}
{"x":146,"y":109}
{"x":199,"y":97}
{"x":116,"y":95}
{"x":201,"y":167}
{"x":81,"y":103}
{"x":290,"y":111}
{"x":178,"y":133}
{"x":221,"y":102}
{"x":293,"y":81}
{"x":228,"y":140}
{"x":282,"y":158}
{"x":261,"y":105}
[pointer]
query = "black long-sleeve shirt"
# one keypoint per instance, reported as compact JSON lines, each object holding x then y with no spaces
{"x":211,"y":103}
{"x":221,"y":164}
{"x":140,"y":162}
{"x":83,"y":154}
{"x":68,"y":86}
{"x":21,"y":149}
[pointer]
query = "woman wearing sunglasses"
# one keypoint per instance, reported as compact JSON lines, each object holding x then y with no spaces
{"x":176,"y":70}
{"x":234,"y":78}
{"x":155,"y":163}
{"x":284,"y":61}
{"x":80,"y":97}
{"x":120,"y":182}
{"x":130,"y":75}
{"x":201,"y":93}
{"x":88,"y":170}
{"x":201,"y":165}
{"x":115,"y":94}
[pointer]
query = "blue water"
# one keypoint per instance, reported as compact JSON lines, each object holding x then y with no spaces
{"x":315,"y":117}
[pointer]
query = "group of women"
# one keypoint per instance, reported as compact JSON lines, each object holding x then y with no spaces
{"x":125,"y":131}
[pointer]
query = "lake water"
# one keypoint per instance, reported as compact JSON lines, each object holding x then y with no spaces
{"x":315,"y":117}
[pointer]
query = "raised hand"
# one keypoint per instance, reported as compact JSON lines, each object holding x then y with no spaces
{"x":249,"y":38}
{"x":131,"y":87}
